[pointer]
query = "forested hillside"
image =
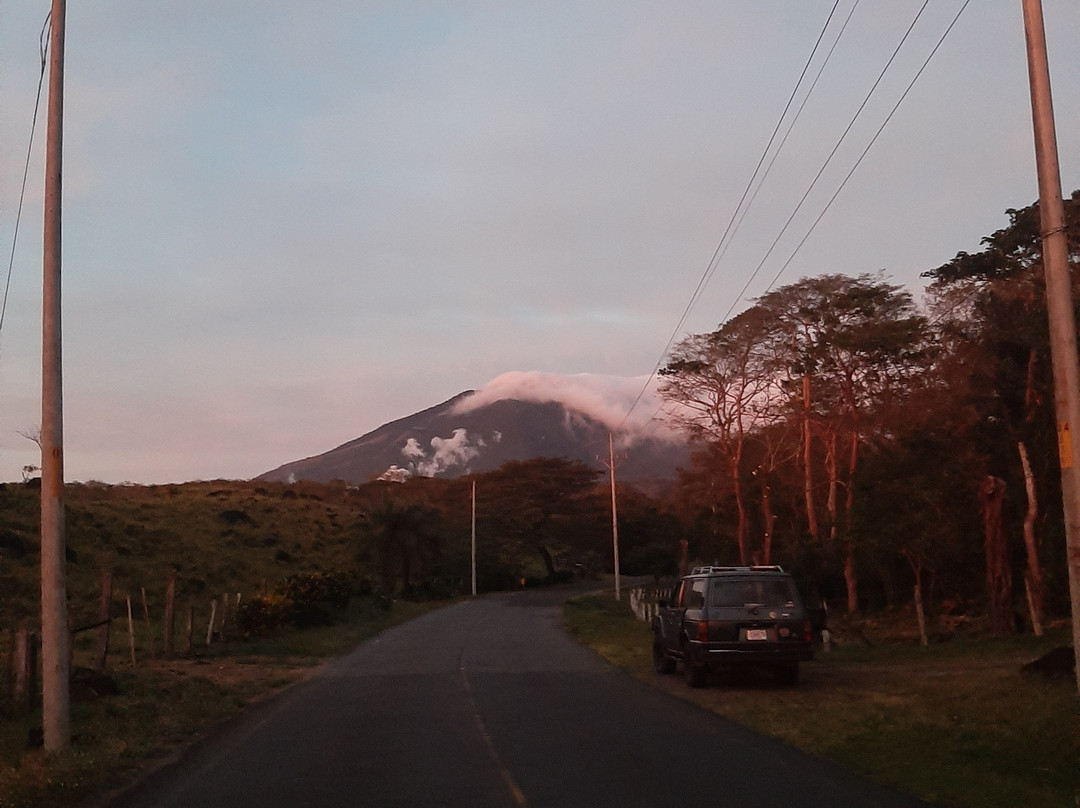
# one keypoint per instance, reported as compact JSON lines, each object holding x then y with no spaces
{"x":537,"y":521}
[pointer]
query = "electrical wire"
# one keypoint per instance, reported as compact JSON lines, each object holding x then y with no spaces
{"x":721,"y":248}
{"x":828,"y":161}
{"x":43,"y":46}
{"x":787,"y":134}
{"x":869,"y":145}
{"x":736,"y":219}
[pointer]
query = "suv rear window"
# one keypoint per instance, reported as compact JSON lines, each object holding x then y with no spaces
{"x":695,"y":594}
{"x":741,"y":593}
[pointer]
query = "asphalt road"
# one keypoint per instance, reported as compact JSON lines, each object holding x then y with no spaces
{"x":490,"y":703}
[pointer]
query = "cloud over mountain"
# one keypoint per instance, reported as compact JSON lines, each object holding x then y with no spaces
{"x":606,"y":399}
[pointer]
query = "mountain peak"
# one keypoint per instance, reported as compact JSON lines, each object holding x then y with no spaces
{"x":517,"y":416}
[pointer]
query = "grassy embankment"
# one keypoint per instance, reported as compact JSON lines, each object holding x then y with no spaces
{"x":956,"y":723}
{"x":164,"y":705}
{"x":219,"y":537}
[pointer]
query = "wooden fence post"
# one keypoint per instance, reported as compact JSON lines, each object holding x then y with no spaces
{"x":131,"y":631}
{"x":105,"y":616}
{"x":224,"y":616}
{"x":210,"y":625}
{"x":149,"y":625}
{"x":21,"y":663}
{"x":167,"y":630}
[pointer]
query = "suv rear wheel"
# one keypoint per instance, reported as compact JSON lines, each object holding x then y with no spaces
{"x":695,"y":675}
{"x":661,"y":662}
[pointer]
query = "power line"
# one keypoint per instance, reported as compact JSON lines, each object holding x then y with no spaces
{"x":868,"y":146}
{"x":825,"y":165}
{"x":736,"y":220}
{"x":791,"y":127}
{"x":43,"y":49}
{"x":741,"y":212}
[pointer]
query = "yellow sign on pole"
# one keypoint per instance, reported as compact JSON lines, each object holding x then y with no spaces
{"x":1065,"y":445}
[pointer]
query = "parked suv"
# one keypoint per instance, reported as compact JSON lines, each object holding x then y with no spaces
{"x":730,"y":617}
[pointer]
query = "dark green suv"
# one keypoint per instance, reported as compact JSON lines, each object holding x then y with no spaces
{"x":733,"y":617}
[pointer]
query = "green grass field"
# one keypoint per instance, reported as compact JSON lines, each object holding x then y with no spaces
{"x":956,"y":723}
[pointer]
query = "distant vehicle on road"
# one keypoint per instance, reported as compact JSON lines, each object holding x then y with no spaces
{"x":733,"y":618}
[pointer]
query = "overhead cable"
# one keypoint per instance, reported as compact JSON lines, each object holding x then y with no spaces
{"x":869,"y":145}
{"x":43,"y":49}
{"x":828,"y":161}
{"x":735,"y":217}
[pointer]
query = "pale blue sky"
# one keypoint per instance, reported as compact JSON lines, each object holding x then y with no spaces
{"x":288,"y":223}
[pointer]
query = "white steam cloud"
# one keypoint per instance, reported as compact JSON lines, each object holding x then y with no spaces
{"x":452,"y":452}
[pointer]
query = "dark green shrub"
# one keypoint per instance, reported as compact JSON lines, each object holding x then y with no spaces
{"x":262,"y":614}
{"x":303,"y":600}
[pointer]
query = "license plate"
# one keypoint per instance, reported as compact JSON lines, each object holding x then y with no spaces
{"x":757,"y":634}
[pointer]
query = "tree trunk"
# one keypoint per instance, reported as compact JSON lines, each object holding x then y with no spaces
{"x":808,"y":466}
{"x":851,"y":580}
{"x":998,"y":571}
{"x":853,"y":462}
{"x":769,"y":518}
{"x":920,"y":613}
{"x":549,"y":563}
{"x":850,"y":577}
{"x":1033,"y":583}
{"x":834,"y":484}
{"x":741,"y":528}
{"x":740,"y":507}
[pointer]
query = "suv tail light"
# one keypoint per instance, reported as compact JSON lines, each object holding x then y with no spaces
{"x":703,"y":631}
{"x":808,"y":631}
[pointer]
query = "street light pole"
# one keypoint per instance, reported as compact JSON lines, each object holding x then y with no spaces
{"x":55,"y":671}
{"x":1059,"y":304}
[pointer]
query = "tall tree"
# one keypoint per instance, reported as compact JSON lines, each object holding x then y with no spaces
{"x":859,"y":340}
{"x":721,"y":389}
{"x":996,"y":306}
{"x":856,"y":342}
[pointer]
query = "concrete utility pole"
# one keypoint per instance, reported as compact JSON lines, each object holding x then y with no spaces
{"x":1059,"y":303}
{"x":55,"y":671}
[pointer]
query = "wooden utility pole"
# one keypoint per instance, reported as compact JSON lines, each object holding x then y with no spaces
{"x":1059,"y":302}
{"x":55,"y":664}
{"x":474,"y":538}
{"x":614,"y":514}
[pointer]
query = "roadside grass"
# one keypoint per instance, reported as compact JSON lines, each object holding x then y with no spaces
{"x":163,"y":705}
{"x":956,"y":723}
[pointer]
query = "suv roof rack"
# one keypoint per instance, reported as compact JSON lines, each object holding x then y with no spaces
{"x":757,"y":568}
